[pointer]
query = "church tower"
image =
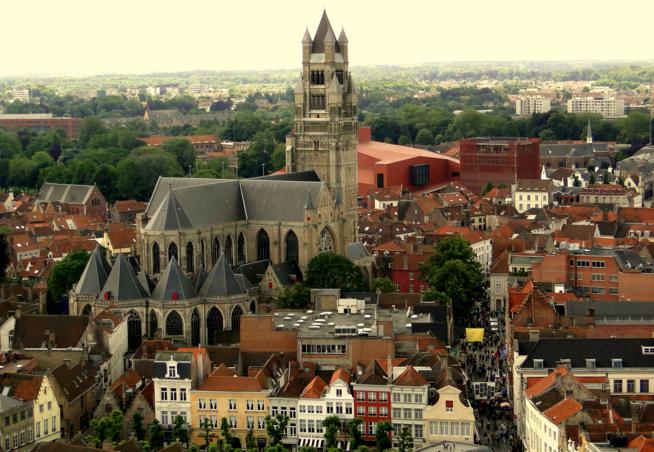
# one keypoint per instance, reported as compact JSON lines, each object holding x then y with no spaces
{"x":325,"y":133}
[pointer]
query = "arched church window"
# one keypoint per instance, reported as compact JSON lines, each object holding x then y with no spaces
{"x":215,"y":250}
{"x":240,"y":249}
{"x":190,"y":267}
{"x":229,"y":250}
{"x":156,"y":262}
{"x":292,"y":248}
{"x":172,"y":252}
{"x":174,"y":324}
{"x":263,"y":245}
{"x":325,"y":242}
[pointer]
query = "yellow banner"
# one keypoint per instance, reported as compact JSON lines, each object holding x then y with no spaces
{"x":475,"y":334}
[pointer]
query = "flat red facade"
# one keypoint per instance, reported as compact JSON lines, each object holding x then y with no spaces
{"x":499,"y":161}
{"x":372,"y":406}
{"x":384,"y":165}
{"x":70,"y":126}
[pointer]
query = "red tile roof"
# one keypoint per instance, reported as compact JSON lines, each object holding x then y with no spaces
{"x":545,"y":383}
{"x":410,"y":377}
{"x":314,"y":389}
{"x":158,"y":140}
{"x":340,"y":374}
{"x":563,"y":410}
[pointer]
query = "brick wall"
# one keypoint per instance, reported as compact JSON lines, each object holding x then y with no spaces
{"x":257,"y":335}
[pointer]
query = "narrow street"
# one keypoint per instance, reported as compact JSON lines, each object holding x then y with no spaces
{"x":486,"y":367}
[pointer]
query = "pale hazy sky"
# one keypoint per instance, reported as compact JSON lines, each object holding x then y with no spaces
{"x":136,"y":36}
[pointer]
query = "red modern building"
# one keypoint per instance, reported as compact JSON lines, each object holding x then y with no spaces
{"x":372,"y":399}
{"x":499,"y":161}
{"x":384,"y":165}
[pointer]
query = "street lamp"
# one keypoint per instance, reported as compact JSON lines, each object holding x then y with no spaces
{"x":263,"y":169}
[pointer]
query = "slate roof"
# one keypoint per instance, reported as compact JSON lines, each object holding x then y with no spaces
{"x":7,"y":403}
{"x":190,"y":204}
{"x":602,"y":350}
{"x":74,"y":381}
{"x":173,"y":284}
{"x":221,"y":282}
{"x":324,"y":30}
{"x":64,"y":193}
{"x":30,"y":330}
{"x":288,"y":273}
{"x":183,"y":364}
{"x":624,"y":309}
{"x":95,"y":274}
{"x":122,"y":283}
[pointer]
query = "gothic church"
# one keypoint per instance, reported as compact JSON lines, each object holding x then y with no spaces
{"x":195,"y":232}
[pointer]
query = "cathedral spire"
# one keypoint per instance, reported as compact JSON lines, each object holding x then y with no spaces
{"x":324,"y":29}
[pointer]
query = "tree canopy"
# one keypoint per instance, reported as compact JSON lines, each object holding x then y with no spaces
{"x":66,"y":273}
{"x":329,"y":270}
{"x":454,"y":272}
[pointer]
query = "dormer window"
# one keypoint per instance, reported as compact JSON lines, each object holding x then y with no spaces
{"x":616,"y":363}
{"x":172,"y":372}
{"x":538,"y":364}
{"x":591,"y":363}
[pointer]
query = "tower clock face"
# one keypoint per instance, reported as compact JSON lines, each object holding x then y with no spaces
{"x":325,"y":242}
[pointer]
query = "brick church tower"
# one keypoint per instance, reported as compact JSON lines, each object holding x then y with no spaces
{"x":325,"y":136}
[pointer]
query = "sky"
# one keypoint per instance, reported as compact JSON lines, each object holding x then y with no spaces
{"x":143,"y":36}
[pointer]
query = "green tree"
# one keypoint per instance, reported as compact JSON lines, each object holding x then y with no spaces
{"x":591,"y":179}
{"x":205,"y":428}
{"x":276,"y":428}
{"x":257,"y":159}
{"x":635,"y":128}
{"x":454,"y":271}
{"x":425,"y":137}
{"x":331,"y":424}
{"x":9,"y":145}
{"x":383,"y":436}
{"x":278,"y":160}
{"x":144,"y":446}
{"x":250,"y":440}
{"x":275,"y":448}
{"x":212,"y":448}
{"x":225,"y":431}
{"x":576,"y":182}
{"x":297,"y":296}
{"x":383,"y":284}
{"x":547,"y":135}
{"x":89,"y":128}
{"x":183,"y":151}
{"x":156,"y":435}
{"x":139,"y":173}
{"x":404,"y":140}
{"x":356,"y":439}
{"x":4,"y":256}
{"x":488,"y":187}
{"x":330,"y":271}
{"x":107,"y":428}
{"x":307,"y":449}
{"x":66,"y":273}
{"x":137,"y":426}
{"x":605,"y":178}
{"x":180,"y":430}
{"x":405,"y":441}
{"x":23,"y":172}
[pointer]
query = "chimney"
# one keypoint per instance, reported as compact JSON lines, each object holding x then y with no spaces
{"x":17,"y":313}
{"x":293,"y":370}
{"x":51,"y":339}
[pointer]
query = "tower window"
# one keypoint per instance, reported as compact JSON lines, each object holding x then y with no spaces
{"x":317,"y":102}
{"x":339,"y":76}
{"x":317,"y":77}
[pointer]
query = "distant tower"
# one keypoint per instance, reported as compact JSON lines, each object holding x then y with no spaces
{"x":325,"y":137}
{"x":589,"y":134}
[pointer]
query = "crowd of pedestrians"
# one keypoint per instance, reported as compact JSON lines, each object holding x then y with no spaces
{"x":486,"y":367}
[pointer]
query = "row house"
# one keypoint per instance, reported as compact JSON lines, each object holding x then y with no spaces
{"x":320,"y":400}
{"x":372,"y":399}
{"x":241,"y":400}
{"x":409,"y":398}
